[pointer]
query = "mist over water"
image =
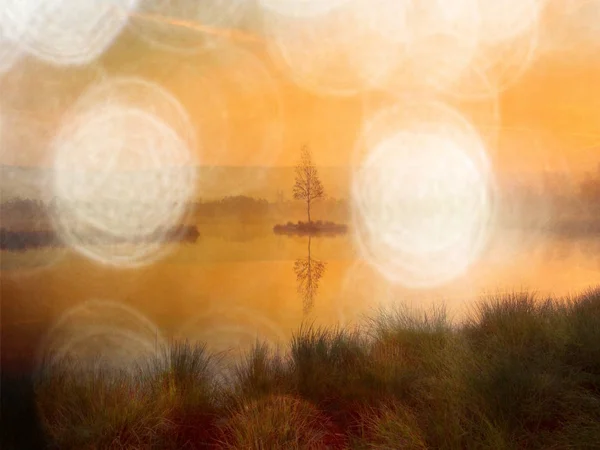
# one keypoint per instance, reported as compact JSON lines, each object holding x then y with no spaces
{"x":458,"y":145}
{"x":245,"y":266}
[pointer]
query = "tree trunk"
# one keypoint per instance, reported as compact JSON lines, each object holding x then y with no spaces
{"x":308,"y":210}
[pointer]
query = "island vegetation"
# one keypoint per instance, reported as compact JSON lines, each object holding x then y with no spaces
{"x":519,"y":373}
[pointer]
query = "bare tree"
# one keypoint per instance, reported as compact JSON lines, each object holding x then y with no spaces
{"x":308,"y":186}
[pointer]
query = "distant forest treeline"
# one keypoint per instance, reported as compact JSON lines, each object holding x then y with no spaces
{"x":590,"y":188}
{"x":568,"y":205}
{"x":233,"y":205}
{"x":249,"y":208}
{"x":555,"y":202}
{"x":25,"y":223}
{"x":556,"y":187}
{"x":25,"y":207}
{"x":24,"y":240}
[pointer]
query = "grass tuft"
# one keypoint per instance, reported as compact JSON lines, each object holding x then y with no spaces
{"x":276,"y":422}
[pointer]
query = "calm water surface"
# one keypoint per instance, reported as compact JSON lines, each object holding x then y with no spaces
{"x":241,"y":282}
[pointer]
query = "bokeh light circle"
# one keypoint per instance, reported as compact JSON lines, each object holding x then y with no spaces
{"x":139,"y":93}
{"x":35,"y":97}
{"x":504,"y":20}
{"x":342,"y":51}
{"x":469,"y":48}
{"x":231,"y":332}
{"x":431,"y":166}
{"x":10,"y":53}
{"x":65,"y":32}
{"x":122,"y":180}
{"x":508,"y":45}
{"x":572,"y":29}
{"x":484,"y":114}
{"x":422,"y":196}
{"x":443,"y":42}
{"x":231,"y":328}
{"x":100,"y":333}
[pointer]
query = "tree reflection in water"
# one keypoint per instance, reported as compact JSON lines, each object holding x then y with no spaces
{"x":308,"y":272}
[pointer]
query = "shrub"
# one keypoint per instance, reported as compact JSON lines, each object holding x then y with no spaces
{"x":263,"y":372}
{"x":394,"y":427}
{"x":276,"y":422}
{"x":98,"y":408}
{"x":326,"y":365}
{"x":185,"y":376}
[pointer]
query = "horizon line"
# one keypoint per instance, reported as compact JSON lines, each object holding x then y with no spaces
{"x":588,"y":169}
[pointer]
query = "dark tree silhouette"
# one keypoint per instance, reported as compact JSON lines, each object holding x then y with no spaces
{"x":308,"y":186}
{"x":308,"y":274}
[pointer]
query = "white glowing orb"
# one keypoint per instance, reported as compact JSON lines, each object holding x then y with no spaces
{"x":362,"y":44}
{"x":507,"y":45}
{"x":588,"y":20}
{"x":444,"y":41}
{"x":139,"y":93}
{"x":122,"y":180}
{"x":187,"y":25}
{"x":573,"y":28}
{"x":101,"y":333}
{"x":470,"y":48}
{"x":107,"y":347}
{"x":503,"y":20}
{"x":36,"y":96}
{"x":385,"y":35}
{"x":421,"y":204}
{"x":301,"y":8}
{"x":497,"y":68}
{"x":63,"y":31}
{"x":313,"y":52}
{"x":343,"y":51}
{"x":10,"y":53}
{"x":421,"y":182}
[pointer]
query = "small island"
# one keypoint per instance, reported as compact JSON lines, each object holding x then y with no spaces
{"x":311,"y":228}
{"x":308,"y":188}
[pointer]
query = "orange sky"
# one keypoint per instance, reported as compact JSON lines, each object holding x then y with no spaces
{"x":551,"y":115}
{"x":559,"y":101}
{"x":549,"y":119}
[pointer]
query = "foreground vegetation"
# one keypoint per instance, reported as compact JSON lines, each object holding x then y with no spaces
{"x":521,"y":372}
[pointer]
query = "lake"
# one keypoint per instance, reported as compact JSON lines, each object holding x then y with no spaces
{"x":239,"y":282}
